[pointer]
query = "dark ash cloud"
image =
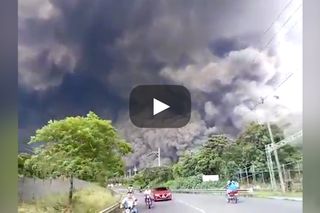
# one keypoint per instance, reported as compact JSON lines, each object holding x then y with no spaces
{"x":76,"y":56}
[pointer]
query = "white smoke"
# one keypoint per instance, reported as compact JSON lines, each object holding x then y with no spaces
{"x":245,"y":73}
{"x":246,"y":65}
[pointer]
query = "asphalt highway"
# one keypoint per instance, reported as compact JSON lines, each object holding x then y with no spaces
{"x":205,"y":203}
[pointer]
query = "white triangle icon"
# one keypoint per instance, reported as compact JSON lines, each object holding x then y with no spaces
{"x":159,"y":106}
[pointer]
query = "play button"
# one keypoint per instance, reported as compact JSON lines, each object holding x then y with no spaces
{"x":159,"y":106}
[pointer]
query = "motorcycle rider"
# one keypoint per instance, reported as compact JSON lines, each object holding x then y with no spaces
{"x":130,"y":200}
{"x":233,"y":183}
{"x":232,"y":186}
{"x":146,"y":193}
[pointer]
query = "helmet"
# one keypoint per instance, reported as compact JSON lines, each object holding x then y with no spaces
{"x":232,"y":179}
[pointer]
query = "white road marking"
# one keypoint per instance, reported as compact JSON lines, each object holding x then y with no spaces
{"x":192,"y":206}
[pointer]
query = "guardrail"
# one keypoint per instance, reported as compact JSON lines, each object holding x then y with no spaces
{"x":242,"y":192}
{"x":111,"y":208}
{"x":115,"y":206}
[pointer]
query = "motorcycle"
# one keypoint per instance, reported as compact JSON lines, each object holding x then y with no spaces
{"x":130,"y":207}
{"x":148,"y":201}
{"x":232,"y":196}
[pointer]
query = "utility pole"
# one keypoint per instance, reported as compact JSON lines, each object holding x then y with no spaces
{"x":135,"y":170}
{"x":240,"y":175}
{"x":299,"y":171}
{"x":270,"y":167}
{"x":284,"y":172}
{"x":159,"y":157}
{"x":253,"y":174}
{"x":263,"y":181}
{"x":247,"y":176}
{"x":277,"y":159}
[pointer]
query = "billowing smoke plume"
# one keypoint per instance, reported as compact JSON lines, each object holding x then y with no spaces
{"x":76,"y":56}
{"x":229,"y":90}
{"x":172,"y":142}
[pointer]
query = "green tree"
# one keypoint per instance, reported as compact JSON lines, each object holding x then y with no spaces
{"x":289,"y":155}
{"x":153,"y":176}
{"x":22,"y":158}
{"x":87,"y":147}
{"x":253,"y":140}
{"x":186,"y":166}
{"x":210,"y":157}
{"x":250,"y":146}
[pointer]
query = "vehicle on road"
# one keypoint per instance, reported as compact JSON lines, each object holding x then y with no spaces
{"x":129,"y":204}
{"x":129,"y":209}
{"x":148,"y":201}
{"x":161,"y":193}
{"x":232,"y":196}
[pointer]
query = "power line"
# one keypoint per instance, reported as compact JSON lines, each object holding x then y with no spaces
{"x":286,"y":78}
{"x":271,"y":40}
{"x":274,"y":35}
{"x":259,"y":169}
{"x":278,"y":17}
{"x":282,"y":26}
{"x":277,"y":87}
{"x":289,"y":29}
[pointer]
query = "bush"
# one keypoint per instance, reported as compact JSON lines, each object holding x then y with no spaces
{"x":184,"y":183}
{"x":90,"y":199}
{"x":193,"y":182}
{"x":152,"y":177}
{"x":211,"y":185}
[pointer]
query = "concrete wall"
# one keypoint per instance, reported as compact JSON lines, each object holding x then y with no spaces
{"x":34,"y":188}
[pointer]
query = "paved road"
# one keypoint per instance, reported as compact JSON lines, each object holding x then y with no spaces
{"x":197,"y":203}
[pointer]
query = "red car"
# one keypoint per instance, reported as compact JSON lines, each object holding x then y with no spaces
{"x":161,"y":193}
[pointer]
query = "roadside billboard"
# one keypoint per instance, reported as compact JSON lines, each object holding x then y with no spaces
{"x":206,"y":178}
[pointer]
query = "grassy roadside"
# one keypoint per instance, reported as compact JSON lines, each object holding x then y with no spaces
{"x":265,"y":194}
{"x":90,"y":199}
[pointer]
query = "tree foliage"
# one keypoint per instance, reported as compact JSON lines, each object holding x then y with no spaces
{"x":153,"y":176}
{"x":221,"y":156}
{"x":22,"y":158}
{"x":87,"y":147}
{"x":251,"y":146}
{"x":210,"y":157}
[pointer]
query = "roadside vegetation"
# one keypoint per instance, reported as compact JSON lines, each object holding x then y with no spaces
{"x":83,"y":147}
{"x":223,"y":156}
{"x":91,"y":199}
{"x":265,"y":194}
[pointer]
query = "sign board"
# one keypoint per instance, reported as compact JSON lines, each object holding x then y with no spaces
{"x":206,"y":178}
